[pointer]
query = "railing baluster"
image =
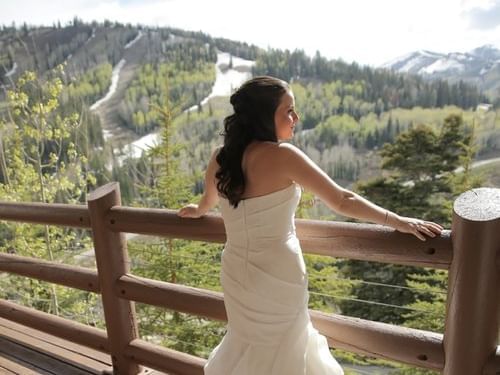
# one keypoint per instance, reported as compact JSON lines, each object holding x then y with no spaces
{"x":112,"y":263}
{"x":472,"y":320}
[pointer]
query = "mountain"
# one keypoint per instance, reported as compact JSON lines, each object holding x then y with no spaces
{"x":480,"y":66}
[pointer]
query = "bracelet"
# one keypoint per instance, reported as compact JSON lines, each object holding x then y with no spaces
{"x":386,"y":217}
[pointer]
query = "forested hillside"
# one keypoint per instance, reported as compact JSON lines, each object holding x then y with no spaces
{"x":75,"y":98}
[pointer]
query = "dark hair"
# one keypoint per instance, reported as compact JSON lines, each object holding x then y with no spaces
{"x":254,"y":104}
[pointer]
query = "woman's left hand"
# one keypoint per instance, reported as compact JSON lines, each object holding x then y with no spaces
{"x":419,"y":228}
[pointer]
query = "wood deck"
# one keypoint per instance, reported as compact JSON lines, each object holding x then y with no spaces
{"x":26,"y":351}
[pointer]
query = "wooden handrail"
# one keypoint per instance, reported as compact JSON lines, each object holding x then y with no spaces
{"x":62,"y":274}
{"x":381,"y":340}
{"x":373,"y":243}
{"x":67,"y":215}
{"x":176,"y":297}
{"x":346,"y":240}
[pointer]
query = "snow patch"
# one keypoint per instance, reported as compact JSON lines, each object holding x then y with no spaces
{"x":411,"y":59}
{"x":136,"y":148}
{"x":132,"y":42}
{"x":443,"y":65}
{"x":397,"y":60}
{"x":91,"y":37}
{"x":425,"y":53}
{"x":459,"y":56}
{"x":106,"y":134}
{"x":226,"y":81}
{"x":484,"y":71}
{"x":115,"y":75}
{"x":230,"y":79}
{"x":12,"y":71}
{"x":412,"y":63}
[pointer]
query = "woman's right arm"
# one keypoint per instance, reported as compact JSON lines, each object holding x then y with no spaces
{"x":210,"y":196}
{"x":300,"y":168}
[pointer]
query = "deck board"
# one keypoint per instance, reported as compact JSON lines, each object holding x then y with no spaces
{"x":23,"y":349}
{"x":27,"y":351}
{"x":9,"y":367}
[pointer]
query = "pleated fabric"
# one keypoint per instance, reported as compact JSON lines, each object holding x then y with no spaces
{"x":264,"y":281}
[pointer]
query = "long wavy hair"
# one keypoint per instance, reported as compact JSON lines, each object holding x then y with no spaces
{"x":254,"y":105}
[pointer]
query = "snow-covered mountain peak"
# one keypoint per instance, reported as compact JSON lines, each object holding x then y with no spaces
{"x":439,"y":65}
{"x":488,"y":51}
{"x":480,"y":66}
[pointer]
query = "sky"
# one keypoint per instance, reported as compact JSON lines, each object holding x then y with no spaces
{"x":369,"y":32}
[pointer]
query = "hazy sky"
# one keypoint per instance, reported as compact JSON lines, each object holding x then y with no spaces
{"x":367,"y":31}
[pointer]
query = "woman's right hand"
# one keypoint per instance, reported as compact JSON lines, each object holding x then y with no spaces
{"x":189,"y":211}
{"x":419,"y":228}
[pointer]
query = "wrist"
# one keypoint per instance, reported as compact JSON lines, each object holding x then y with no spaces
{"x":393,"y":220}
{"x":201,"y":210}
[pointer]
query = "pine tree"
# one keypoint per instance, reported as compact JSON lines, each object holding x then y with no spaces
{"x":165,"y":185}
{"x":420,"y":167}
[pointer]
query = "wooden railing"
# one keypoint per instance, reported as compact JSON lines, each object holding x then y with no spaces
{"x":471,"y":252}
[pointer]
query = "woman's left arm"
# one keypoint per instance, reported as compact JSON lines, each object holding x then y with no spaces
{"x":210,"y":196}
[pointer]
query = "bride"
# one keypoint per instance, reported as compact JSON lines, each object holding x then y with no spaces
{"x":257,"y":178}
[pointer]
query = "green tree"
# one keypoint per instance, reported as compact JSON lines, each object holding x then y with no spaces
{"x":40,"y":162}
{"x":165,"y":185}
{"x":420,"y":167}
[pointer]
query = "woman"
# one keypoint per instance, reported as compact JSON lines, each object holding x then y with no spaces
{"x":258,"y":178}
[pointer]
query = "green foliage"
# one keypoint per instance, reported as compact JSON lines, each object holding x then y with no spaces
{"x":325,"y":285}
{"x":90,"y":86}
{"x":39,"y":146}
{"x":420,"y":182}
{"x":40,"y":162}
{"x":186,"y":87}
{"x":432,"y":301}
{"x":187,"y":263}
{"x":174,"y":261}
{"x":50,"y":151}
{"x":422,"y":164}
{"x":385,"y":88}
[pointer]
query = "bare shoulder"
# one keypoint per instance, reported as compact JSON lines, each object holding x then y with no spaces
{"x":286,"y":147}
{"x":287,"y":151}
{"x":213,"y":163}
{"x":216,"y":152}
{"x":276,"y":154}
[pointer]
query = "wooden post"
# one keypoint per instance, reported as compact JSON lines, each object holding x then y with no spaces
{"x":112,"y":263}
{"x":472,"y":316}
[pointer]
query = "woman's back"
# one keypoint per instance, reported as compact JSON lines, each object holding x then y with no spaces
{"x":263,"y":169}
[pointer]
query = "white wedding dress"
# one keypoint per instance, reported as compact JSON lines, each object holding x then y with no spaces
{"x":264,"y":280}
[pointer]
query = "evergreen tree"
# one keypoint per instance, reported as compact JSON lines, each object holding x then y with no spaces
{"x":421,"y":165}
{"x":165,"y":185}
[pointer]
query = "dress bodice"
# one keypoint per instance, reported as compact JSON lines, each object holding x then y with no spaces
{"x":264,"y":218}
